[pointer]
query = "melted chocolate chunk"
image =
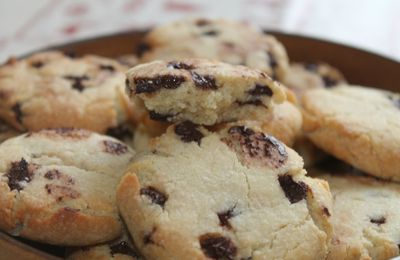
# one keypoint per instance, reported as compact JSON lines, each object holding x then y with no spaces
{"x":204,"y":82}
{"x":188,"y":132}
{"x":123,"y":248}
{"x":202,"y":22}
{"x":294,"y":191}
{"x":107,"y":67}
{"x":210,"y":33}
{"x":326,"y":211}
{"x":60,"y":192}
{"x":154,"y":195}
{"x":311,"y":67}
{"x":379,"y":220}
{"x":142,"y":48}
{"x":180,"y":65}
{"x":224,"y":217}
{"x":114,"y":147}
{"x":18,"y":172}
{"x":159,"y":117}
{"x":18,"y":112}
{"x":77,"y":81}
{"x":260,"y":90}
{"x":120,"y":132}
{"x":37,"y":64}
{"x":149,"y":85}
{"x":329,"y":82}
{"x":215,"y":246}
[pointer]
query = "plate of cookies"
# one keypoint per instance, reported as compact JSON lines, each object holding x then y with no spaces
{"x":200,"y":139}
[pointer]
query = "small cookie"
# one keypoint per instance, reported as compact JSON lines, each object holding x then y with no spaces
{"x":227,"y":41}
{"x":358,"y":125}
{"x":201,"y":91}
{"x":238,"y":194}
{"x":6,"y":132}
{"x":58,"y":186}
{"x":365,"y":218}
{"x":305,"y":76}
{"x":52,"y":90}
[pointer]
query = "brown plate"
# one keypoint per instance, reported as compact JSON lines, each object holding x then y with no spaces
{"x":358,"y":66}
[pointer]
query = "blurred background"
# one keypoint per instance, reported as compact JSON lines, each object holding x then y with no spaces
{"x":373,"y":25}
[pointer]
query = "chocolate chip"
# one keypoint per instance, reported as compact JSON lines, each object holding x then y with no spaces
{"x":37,"y":64}
{"x":123,"y":248}
{"x":294,"y":191}
{"x":180,"y":65}
{"x":18,"y":112}
{"x":154,"y":195}
{"x":204,"y":82}
{"x":202,"y":22}
{"x":120,"y":132}
{"x":188,"y":132}
{"x":260,"y":90}
{"x":107,"y":67}
{"x":142,"y":48}
{"x":19,"y":172}
{"x":215,"y":246}
{"x":210,"y":33}
{"x":311,"y":67}
{"x":329,"y":82}
{"x":149,"y":85}
{"x":379,"y":220}
{"x":224,"y":217}
{"x":60,"y":192}
{"x":326,"y":211}
{"x":114,"y":147}
{"x":77,"y":81}
{"x":159,"y":117}
{"x":148,"y":238}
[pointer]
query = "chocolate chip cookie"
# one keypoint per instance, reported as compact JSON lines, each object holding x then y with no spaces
{"x":58,"y":186}
{"x":201,"y":91}
{"x":238,"y":194}
{"x":365,"y":218}
{"x":358,"y":125}
{"x":228,"y":41}
{"x":51,"y":90}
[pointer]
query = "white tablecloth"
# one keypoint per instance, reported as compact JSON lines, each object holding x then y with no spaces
{"x":26,"y":25}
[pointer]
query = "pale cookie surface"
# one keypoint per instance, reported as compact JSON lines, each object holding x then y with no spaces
{"x":239,"y":194}
{"x":201,"y":91}
{"x":365,"y":218}
{"x":358,"y":125}
{"x":51,"y":90}
{"x":228,"y":41}
{"x":58,"y":186}
{"x":305,"y":76}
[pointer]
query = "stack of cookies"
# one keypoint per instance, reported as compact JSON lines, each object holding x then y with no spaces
{"x":196,"y":149}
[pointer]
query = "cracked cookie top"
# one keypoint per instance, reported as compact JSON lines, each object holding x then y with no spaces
{"x":202,"y":91}
{"x":66,"y":179}
{"x":236,"y":194}
{"x":52,"y":90}
{"x":358,"y":125}
{"x":227,"y":41}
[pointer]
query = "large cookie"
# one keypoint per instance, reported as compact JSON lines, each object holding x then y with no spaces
{"x":228,"y":41}
{"x":239,"y":194}
{"x":50,"y":90}
{"x":58,"y":186}
{"x":358,"y":125}
{"x":201,"y":91}
{"x":365,"y":218}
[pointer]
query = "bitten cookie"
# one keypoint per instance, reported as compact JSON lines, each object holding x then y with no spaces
{"x":305,"y":76}
{"x":239,"y":194}
{"x":365,"y":218}
{"x":228,"y":41}
{"x":358,"y":125}
{"x":58,"y":186}
{"x":201,"y":91}
{"x":51,"y":90}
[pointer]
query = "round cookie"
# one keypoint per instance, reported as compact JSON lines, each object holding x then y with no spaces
{"x":58,"y":186}
{"x":365,"y":219}
{"x":201,"y":91}
{"x":238,"y":194}
{"x":51,"y":90}
{"x":358,"y":125}
{"x":305,"y":76}
{"x":227,"y":41}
